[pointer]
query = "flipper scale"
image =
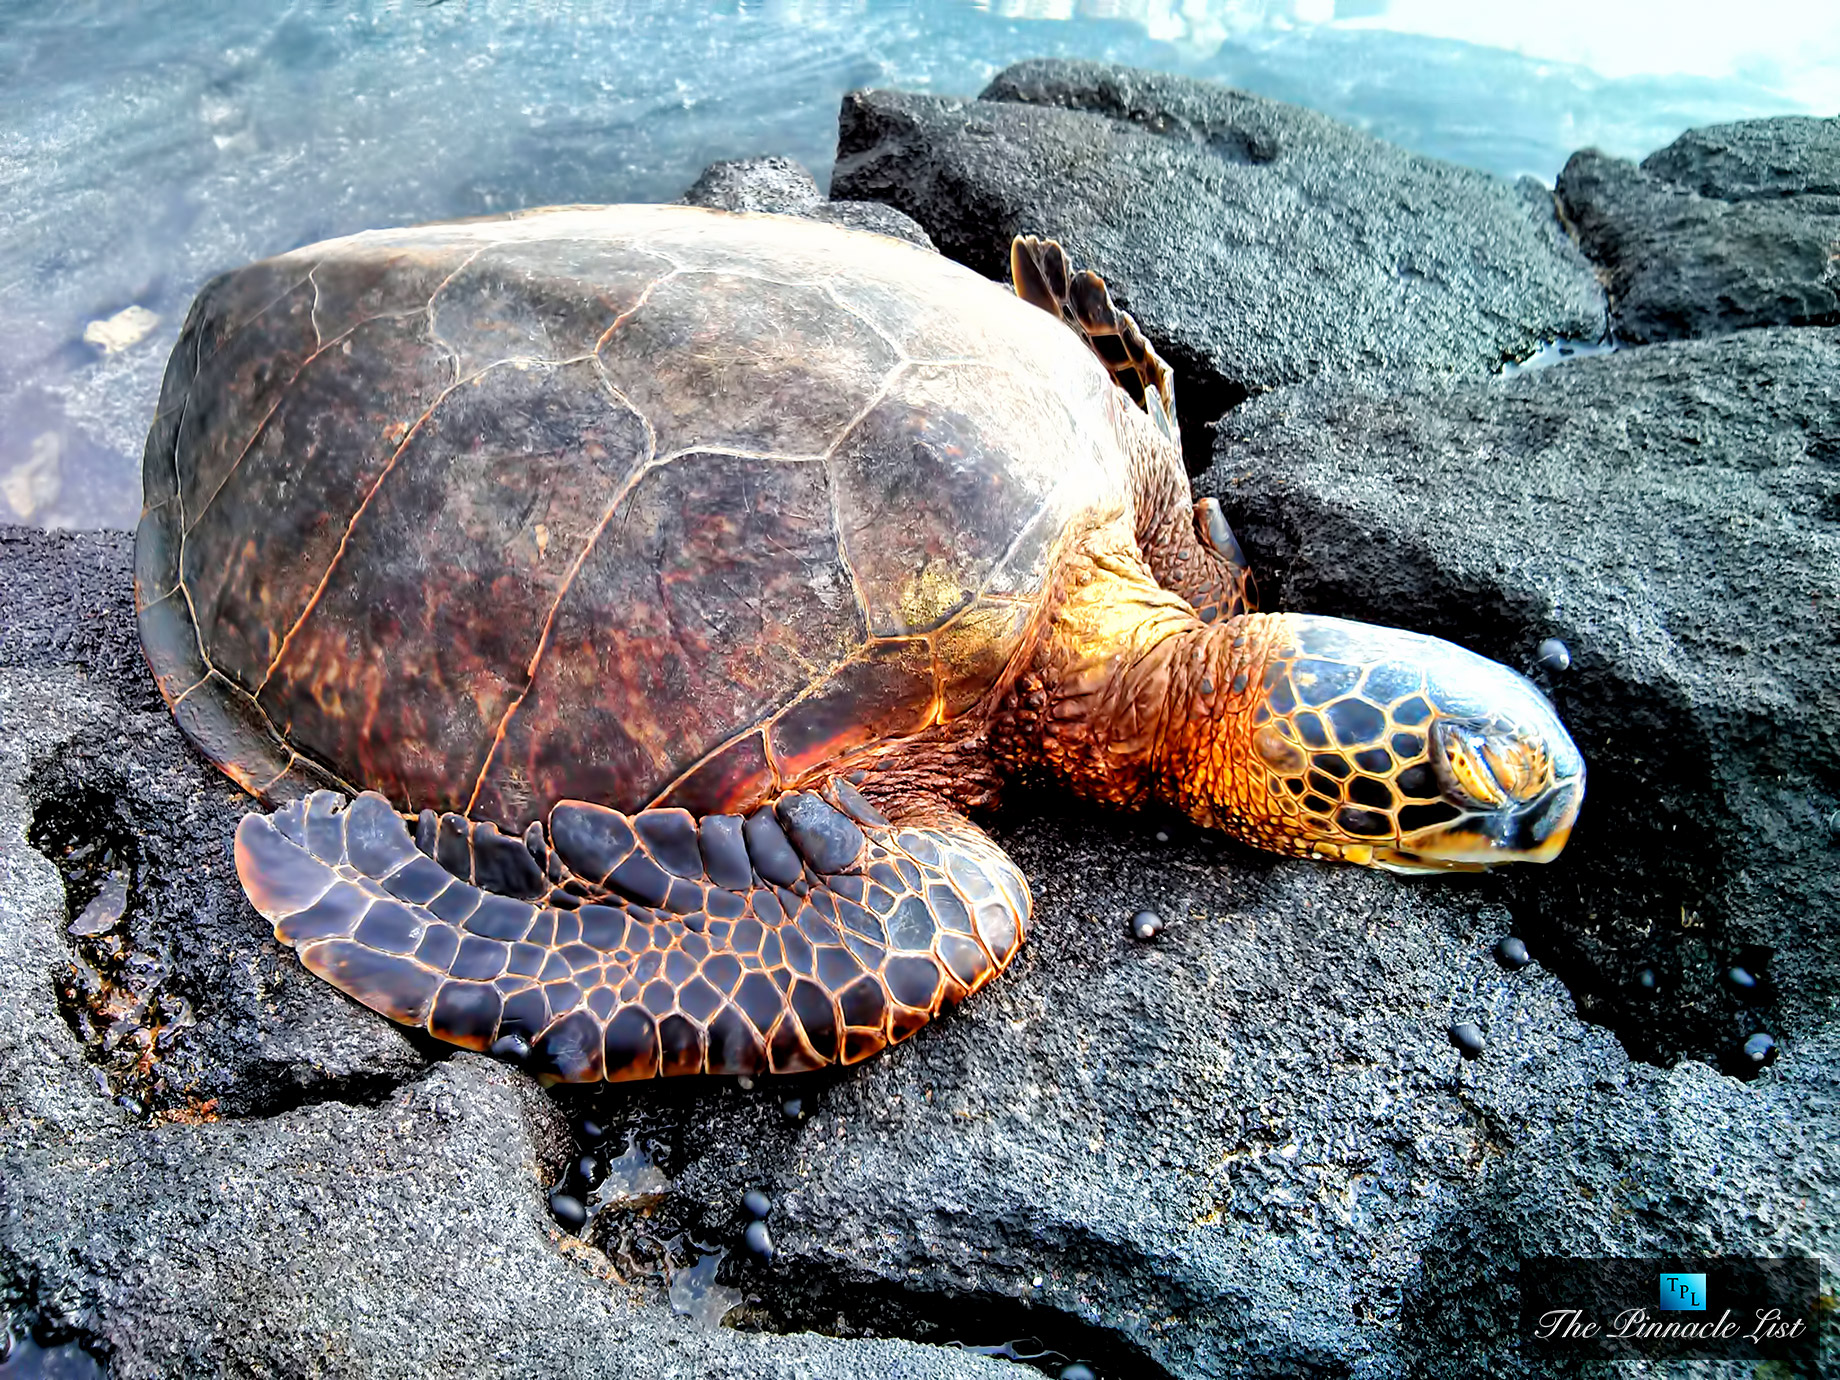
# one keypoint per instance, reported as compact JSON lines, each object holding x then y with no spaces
{"x":603,"y":976}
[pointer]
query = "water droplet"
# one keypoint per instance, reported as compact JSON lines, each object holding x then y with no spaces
{"x":696,"y":1295}
{"x":567,"y":1209}
{"x":105,"y":909}
{"x":759,"y":1240}
{"x":1759,"y":1047}
{"x":756,"y":1204}
{"x":1511,"y":952}
{"x":1146,"y":925}
{"x":1741,"y":978}
{"x":1468,"y":1039}
{"x":1553,"y":655}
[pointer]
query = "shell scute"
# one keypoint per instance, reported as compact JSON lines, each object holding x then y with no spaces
{"x":550,"y":300}
{"x":717,"y":598}
{"x":745,"y":363}
{"x":611,"y":503}
{"x":328,"y":438}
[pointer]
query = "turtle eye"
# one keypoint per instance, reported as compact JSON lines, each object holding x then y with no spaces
{"x":1521,"y":768}
{"x":1463,"y":760}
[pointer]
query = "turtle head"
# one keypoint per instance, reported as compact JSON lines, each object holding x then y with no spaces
{"x":1400,"y":751}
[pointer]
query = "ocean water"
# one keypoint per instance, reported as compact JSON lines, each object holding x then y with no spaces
{"x":147,"y":144}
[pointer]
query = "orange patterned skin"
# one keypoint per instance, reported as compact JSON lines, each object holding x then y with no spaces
{"x":1294,"y":733}
{"x":623,"y":609}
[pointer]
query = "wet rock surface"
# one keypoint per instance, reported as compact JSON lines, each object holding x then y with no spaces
{"x":1728,"y":227}
{"x":1247,"y":1145}
{"x":1257,"y":243}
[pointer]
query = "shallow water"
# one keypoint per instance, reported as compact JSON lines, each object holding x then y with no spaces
{"x":146,"y":146}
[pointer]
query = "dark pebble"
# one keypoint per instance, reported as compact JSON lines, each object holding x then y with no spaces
{"x":1078,"y":1371}
{"x":568,"y":1210}
{"x":794,"y":1108}
{"x":1552,"y":655}
{"x":1645,"y":979}
{"x":592,"y":1132}
{"x":513,"y":1049}
{"x":1512,"y":953}
{"x":756,"y":1204}
{"x":1759,"y":1047}
{"x":1468,"y":1040}
{"x":758,"y":1240}
{"x":1146,"y":925}
{"x":1741,"y":978}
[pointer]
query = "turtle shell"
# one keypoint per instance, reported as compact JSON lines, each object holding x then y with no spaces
{"x":630,"y":504}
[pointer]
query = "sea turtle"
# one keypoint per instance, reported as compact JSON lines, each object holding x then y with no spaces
{"x":686,"y":577}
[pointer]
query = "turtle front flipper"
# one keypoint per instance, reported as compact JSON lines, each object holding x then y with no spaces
{"x":812,"y":932}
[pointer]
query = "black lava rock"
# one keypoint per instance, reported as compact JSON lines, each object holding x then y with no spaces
{"x":785,"y":188}
{"x":1713,"y":747}
{"x":1729,"y":227}
{"x":1256,"y":243}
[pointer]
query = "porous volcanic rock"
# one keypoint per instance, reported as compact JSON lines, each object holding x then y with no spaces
{"x":1730,"y":226}
{"x":1672,"y":514}
{"x":1248,"y":1147}
{"x":1257,"y":243}
{"x":784,"y":187}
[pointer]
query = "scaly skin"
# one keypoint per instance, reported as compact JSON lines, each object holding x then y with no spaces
{"x":1293,"y":733}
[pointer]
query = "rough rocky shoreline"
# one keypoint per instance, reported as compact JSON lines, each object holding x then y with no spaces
{"x":1247,"y":1148}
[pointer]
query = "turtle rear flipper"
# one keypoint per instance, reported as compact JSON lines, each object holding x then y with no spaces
{"x":1043,"y":277}
{"x":814,"y":931}
{"x":1188,"y":545}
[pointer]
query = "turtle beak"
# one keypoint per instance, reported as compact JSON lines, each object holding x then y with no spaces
{"x":1522,"y":831}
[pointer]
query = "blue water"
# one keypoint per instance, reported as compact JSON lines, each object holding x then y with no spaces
{"x":146,"y":146}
